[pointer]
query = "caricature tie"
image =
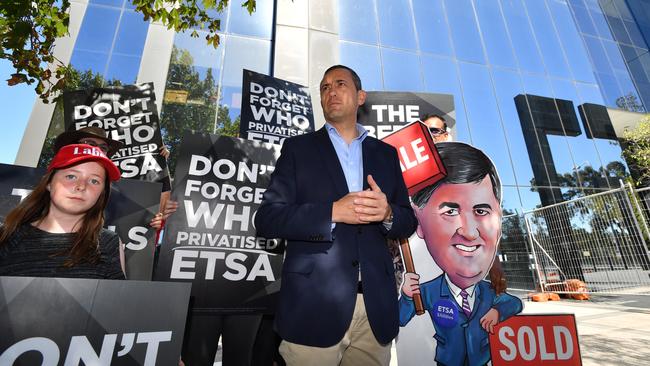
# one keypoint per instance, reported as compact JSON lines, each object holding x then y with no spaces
{"x":466,"y":308}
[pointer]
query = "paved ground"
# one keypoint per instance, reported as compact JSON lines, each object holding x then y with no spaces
{"x":613,"y":330}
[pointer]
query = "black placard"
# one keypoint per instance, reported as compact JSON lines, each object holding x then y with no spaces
{"x":211,"y":241}
{"x":128,"y":114}
{"x":274,"y":109}
{"x":57,"y":321}
{"x":386,"y":112}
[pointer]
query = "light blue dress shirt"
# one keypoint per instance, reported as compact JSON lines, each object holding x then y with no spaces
{"x":350,"y":156}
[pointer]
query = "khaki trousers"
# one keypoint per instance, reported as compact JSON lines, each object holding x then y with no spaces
{"x":358,"y":346}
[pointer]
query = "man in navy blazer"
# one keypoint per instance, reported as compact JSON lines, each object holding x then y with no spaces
{"x":460,"y":221}
{"x":336,"y":195}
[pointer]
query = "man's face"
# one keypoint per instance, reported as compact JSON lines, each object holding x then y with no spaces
{"x":437,"y":128}
{"x":339,"y":97}
{"x":461,"y":225}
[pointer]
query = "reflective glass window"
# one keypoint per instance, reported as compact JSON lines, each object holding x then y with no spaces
{"x":615,"y":22}
{"x":608,"y":150}
{"x":510,"y":202}
{"x":131,"y":34}
{"x":583,"y":19}
{"x":495,"y":36}
{"x":601,"y":23}
{"x":113,"y":3}
{"x":401,"y":70}
{"x":123,"y":68}
{"x":484,"y":119}
{"x":242,"y":53}
{"x":507,"y":85}
{"x":259,"y":24}
{"x":609,"y":88}
{"x":623,"y":10}
{"x":464,"y":30}
{"x":522,"y":37}
{"x":574,"y":48}
{"x":440,"y":76}
{"x":364,"y":59}
{"x":191,"y":90}
{"x":582,"y":149}
{"x":598,"y":56}
{"x":530,"y":198}
{"x":614,"y":56}
{"x":98,"y":29}
{"x":396,"y":24}
{"x":549,"y":44}
{"x":88,"y":60}
{"x":358,"y":21}
{"x":550,"y":128}
{"x":635,"y":34}
{"x":431,"y":25}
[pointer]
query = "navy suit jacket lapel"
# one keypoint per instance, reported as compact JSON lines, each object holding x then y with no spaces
{"x":331,"y":162}
{"x":367,"y":152}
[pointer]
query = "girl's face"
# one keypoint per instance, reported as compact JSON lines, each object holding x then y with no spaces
{"x":76,"y":189}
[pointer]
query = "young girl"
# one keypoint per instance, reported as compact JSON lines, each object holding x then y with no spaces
{"x":57,"y":231}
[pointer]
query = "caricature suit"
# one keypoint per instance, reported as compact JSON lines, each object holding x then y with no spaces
{"x":466,"y":342}
{"x":321,"y":268}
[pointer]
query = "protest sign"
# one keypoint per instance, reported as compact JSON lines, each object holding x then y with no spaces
{"x":536,"y":340}
{"x":386,"y":112}
{"x":57,"y":321}
{"x":132,"y":204}
{"x":211,"y":241}
{"x":419,"y":160}
{"x":274,"y":109}
{"x":127,"y":114}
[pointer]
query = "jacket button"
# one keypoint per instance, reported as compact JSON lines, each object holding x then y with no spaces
{"x":359,"y":230}
{"x":355,"y":263}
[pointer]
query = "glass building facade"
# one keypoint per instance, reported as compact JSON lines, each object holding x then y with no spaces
{"x":531,"y":79}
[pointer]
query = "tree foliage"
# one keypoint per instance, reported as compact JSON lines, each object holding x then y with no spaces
{"x":637,"y":150}
{"x":29,"y":29}
{"x":629,"y":102}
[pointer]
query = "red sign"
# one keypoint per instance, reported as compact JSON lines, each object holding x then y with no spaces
{"x":418,"y":157}
{"x":526,"y":340}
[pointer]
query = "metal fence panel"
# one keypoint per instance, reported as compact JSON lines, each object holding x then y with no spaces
{"x":597,"y":239}
{"x":515,"y":255}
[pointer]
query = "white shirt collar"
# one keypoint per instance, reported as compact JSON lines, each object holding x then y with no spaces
{"x":456,"y":290}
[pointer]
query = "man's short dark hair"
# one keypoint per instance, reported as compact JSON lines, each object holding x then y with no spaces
{"x":433,"y":115}
{"x":355,"y":77}
{"x":464,"y":164}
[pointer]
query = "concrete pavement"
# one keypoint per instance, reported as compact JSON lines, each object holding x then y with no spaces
{"x":610,"y":331}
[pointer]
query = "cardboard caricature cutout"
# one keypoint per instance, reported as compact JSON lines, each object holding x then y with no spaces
{"x":454,"y":249}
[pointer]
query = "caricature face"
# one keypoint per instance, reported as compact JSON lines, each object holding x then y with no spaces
{"x":461,"y":225}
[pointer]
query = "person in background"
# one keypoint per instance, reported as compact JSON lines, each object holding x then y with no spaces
{"x":57,"y":230}
{"x":437,"y":126}
{"x":96,"y":136}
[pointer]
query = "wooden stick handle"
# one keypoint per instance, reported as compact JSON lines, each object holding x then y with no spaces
{"x":410,"y":267}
